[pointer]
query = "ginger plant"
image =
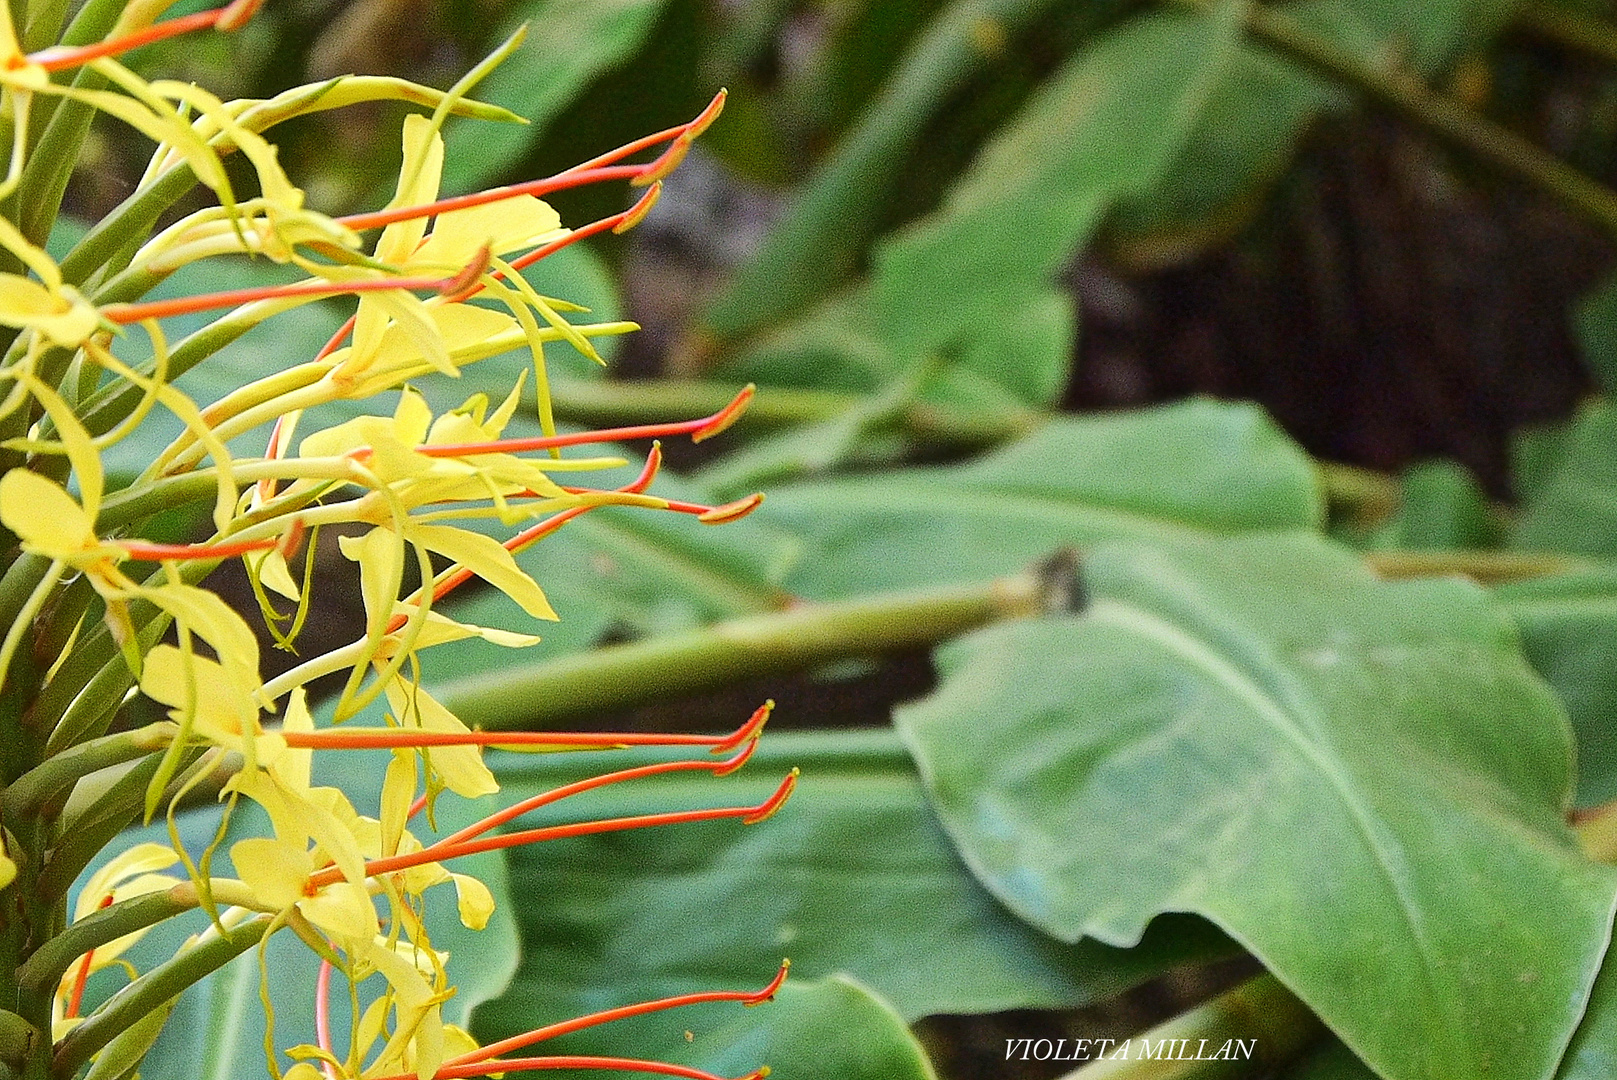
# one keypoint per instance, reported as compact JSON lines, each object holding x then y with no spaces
{"x":98,"y":611}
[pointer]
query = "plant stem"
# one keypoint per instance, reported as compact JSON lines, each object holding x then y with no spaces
{"x":622,"y":676}
{"x":1411,"y":99}
{"x":1483,"y":567}
{"x":33,"y":789}
{"x":1572,"y":29}
{"x":41,"y":972}
{"x":1260,"y":1011}
{"x":152,"y":991}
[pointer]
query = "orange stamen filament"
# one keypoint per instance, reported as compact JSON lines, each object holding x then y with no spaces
{"x":83,"y":976}
{"x":700,"y":429}
{"x":519,"y":543}
{"x":555,"y":795}
{"x":338,"y":739}
{"x":59,"y":58}
{"x":124,"y":314}
{"x":566,"y":1027}
{"x":438,"y":852}
{"x":139,"y":549}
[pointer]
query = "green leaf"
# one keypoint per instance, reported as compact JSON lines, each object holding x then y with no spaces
{"x":1592,"y":1054}
{"x":1443,"y":508}
{"x":1568,"y":626}
{"x":1104,"y":126}
{"x":1245,"y":138}
{"x":569,"y":43}
{"x":1574,"y":508}
{"x":1179,"y":470}
{"x":819,"y":241}
{"x":715,"y":906}
{"x":1595,"y":322}
{"x":976,"y":273}
{"x":1257,"y":730}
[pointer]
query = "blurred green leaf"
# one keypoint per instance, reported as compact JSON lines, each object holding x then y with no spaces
{"x":1179,"y":470}
{"x":569,"y":43}
{"x":1442,"y":508}
{"x":1246,"y":136}
{"x":958,"y":283}
{"x":822,"y":235}
{"x":1573,"y":508}
{"x":852,"y":875}
{"x":1595,"y":322}
{"x":1221,"y":700}
{"x":1568,"y":625}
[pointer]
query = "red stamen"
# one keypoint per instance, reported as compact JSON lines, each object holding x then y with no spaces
{"x":566,"y":1027}
{"x":749,"y":815}
{"x":573,"y":1061}
{"x":670,"y":158}
{"x":322,"y":1014}
{"x":532,"y":535}
{"x":83,"y":976}
{"x":337,"y":339}
{"x":711,"y":112}
{"x":229,"y":17}
{"x":555,"y":795}
{"x":702,"y":428}
{"x":376,"y":219}
{"x":123,"y":314}
{"x":139,"y":549}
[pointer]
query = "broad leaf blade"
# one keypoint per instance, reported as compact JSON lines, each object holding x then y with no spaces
{"x":1196,"y":467}
{"x":1263,"y":734}
{"x":852,"y":875}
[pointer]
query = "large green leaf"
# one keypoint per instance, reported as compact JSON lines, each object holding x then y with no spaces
{"x":1195,"y":467}
{"x":853,"y":874}
{"x":1568,"y":625}
{"x":960,"y":281}
{"x":569,"y":43}
{"x":1363,"y":782}
{"x":1573,"y":507}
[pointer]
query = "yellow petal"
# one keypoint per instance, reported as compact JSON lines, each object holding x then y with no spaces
{"x":275,"y":870}
{"x":487,"y":558}
{"x":139,"y":860}
{"x":65,"y":318}
{"x":461,"y":767}
{"x":508,"y":225}
{"x":343,"y":910}
{"x":475,"y":901}
{"x":221,"y":712}
{"x":46,"y":518}
{"x":8,"y":871}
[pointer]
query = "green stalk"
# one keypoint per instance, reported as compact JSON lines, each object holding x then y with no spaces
{"x":30,"y":792}
{"x":44,"y":969}
{"x":657,"y":669}
{"x":1453,"y":123}
{"x":152,"y":991}
{"x":1483,"y":567}
{"x":1259,"y":1010}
